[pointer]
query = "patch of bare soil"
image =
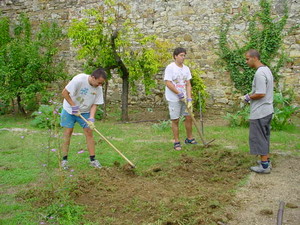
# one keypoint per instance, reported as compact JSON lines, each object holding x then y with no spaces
{"x":258,"y":201}
{"x":161,"y":113}
{"x":192,"y":191}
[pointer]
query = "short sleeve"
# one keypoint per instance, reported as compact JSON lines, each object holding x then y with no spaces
{"x":260,"y":83}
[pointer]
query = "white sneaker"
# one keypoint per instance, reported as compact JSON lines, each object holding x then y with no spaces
{"x":64,"y":164}
{"x":260,"y":169}
{"x":259,"y":162}
{"x":95,"y":164}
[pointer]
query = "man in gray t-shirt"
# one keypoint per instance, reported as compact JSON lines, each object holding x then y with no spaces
{"x":261,"y":110}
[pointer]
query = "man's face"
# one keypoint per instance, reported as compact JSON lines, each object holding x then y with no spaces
{"x":180,"y":57}
{"x":97,"y":82}
{"x":250,"y":60}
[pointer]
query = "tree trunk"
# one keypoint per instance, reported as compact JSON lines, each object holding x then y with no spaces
{"x":20,"y":107}
{"x":125,"y":92}
{"x":125,"y":78}
{"x":104,"y":98}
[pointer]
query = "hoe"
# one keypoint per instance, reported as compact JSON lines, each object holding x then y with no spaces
{"x":198,"y":129}
{"x":104,"y":138}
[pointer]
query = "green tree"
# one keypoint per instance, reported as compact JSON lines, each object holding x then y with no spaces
{"x":27,"y":62}
{"x":265,"y":33}
{"x":107,"y":38}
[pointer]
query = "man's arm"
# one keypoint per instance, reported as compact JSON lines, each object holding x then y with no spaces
{"x":66,"y":95}
{"x":171,"y":86}
{"x":188,"y":89}
{"x":257,"y":96}
{"x":93,"y":111}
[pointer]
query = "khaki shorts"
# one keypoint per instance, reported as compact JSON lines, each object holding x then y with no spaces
{"x":177,"y":109}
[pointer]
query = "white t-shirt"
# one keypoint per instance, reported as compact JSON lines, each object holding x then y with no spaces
{"x":179,"y":76}
{"x":83,"y":94}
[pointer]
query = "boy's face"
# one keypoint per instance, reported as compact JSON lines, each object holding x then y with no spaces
{"x":97,"y":82}
{"x":180,"y":58}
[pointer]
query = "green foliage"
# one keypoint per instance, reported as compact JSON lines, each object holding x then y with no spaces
{"x":4,"y":106}
{"x":107,"y":36}
{"x":99,"y":113}
{"x":240,"y":118}
{"x":283,"y":110}
{"x":265,"y":33}
{"x":198,"y":86}
{"x":162,"y":126}
{"x":65,"y":212}
{"x":27,"y":61}
{"x":48,"y":116}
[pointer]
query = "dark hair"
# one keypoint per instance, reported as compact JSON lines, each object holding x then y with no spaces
{"x":254,"y":53}
{"x":177,"y":51}
{"x":99,"y":73}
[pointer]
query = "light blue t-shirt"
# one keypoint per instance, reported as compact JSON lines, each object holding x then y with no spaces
{"x":262,"y":84}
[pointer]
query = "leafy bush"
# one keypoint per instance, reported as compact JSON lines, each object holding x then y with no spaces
{"x":265,"y":32}
{"x":283,"y":110}
{"x":240,"y":118}
{"x":48,"y":116}
{"x":162,"y":126}
{"x":198,"y":86}
{"x":99,"y":113}
{"x":28,"y":63}
{"x":4,"y":107}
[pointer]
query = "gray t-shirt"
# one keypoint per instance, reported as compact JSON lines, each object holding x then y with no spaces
{"x":262,"y":84}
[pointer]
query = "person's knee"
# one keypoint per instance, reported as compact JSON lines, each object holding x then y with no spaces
{"x":68,"y":132}
{"x":175,"y":121}
{"x":88,"y":132}
{"x":188,"y":118}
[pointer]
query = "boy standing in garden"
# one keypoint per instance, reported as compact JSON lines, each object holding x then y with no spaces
{"x":81,"y":97}
{"x":261,"y":111}
{"x":178,"y":93}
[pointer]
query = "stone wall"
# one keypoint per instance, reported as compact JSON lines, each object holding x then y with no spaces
{"x":188,"y":23}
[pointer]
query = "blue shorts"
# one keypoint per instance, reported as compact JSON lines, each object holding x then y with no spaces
{"x":68,"y":120}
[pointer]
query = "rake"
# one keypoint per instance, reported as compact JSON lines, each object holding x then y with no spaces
{"x":197,"y":128}
{"x":104,"y":138}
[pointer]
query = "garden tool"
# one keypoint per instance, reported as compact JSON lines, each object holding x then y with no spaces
{"x":200,"y":112}
{"x":197,"y":128}
{"x":103,"y":137}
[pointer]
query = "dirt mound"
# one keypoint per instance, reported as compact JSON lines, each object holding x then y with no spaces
{"x":193,"y":190}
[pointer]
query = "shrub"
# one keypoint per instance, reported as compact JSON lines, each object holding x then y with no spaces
{"x":162,"y":126}
{"x":48,"y":116}
{"x":240,"y":118}
{"x":283,"y":110}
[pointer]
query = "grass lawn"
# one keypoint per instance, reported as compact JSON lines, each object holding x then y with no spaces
{"x":192,"y":186}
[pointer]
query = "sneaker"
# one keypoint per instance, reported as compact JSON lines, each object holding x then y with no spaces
{"x":259,"y":162}
{"x":260,"y":169}
{"x":95,"y":164}
{"x":64,"y":164}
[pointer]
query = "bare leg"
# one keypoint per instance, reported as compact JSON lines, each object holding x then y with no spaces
{"x":89,"y":140}
{"x":264,"y":157}
{"x":67,"y":138}
{"x":175,"y":129}
{"x":188,"y":127}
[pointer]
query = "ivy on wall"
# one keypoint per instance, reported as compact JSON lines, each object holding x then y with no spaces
{"x":265,"y":33}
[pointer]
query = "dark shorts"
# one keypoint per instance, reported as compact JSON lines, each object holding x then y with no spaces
{"x":259,"y":135}
{"x":68,"y":120}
